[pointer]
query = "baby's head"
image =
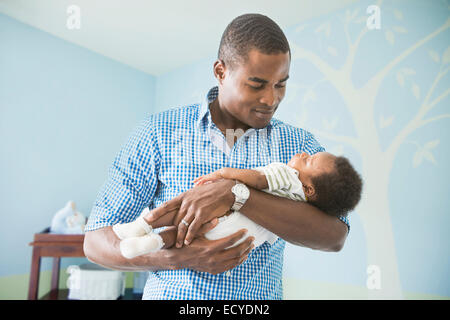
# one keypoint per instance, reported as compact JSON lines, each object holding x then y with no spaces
{"x":330,"y":183}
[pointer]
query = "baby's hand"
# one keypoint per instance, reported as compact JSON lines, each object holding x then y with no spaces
{"x":207,"y":178}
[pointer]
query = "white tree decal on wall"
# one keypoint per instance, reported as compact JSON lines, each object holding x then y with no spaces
{"x":376,"y":162}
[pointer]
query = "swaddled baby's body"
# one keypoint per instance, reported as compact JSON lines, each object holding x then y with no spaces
{"x":283,"y":182}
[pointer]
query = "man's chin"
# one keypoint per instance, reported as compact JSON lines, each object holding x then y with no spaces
{"x":261,"y":120}
{"x":260,"y":124}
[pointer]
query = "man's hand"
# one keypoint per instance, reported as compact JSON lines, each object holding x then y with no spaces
{"x":196,"y":207}
{"x":211,"y":255}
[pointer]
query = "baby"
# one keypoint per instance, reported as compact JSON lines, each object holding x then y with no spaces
{"x":328,"y":182}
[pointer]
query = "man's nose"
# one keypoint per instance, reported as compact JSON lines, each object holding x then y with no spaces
{"x":269,"y":98}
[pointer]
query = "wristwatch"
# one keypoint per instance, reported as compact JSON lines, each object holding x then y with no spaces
{"x":241,"y":194}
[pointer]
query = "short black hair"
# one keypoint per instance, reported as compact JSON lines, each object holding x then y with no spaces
{"x":251,"y":31}
{"x":339,"y":191}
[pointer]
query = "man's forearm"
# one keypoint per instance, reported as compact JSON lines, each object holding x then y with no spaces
{"x":296,"y":222}
{"x":213,"y":256}
{"x":102,"y":247}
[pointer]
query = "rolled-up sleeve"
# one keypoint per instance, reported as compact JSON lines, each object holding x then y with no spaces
{"x":132,"y":180}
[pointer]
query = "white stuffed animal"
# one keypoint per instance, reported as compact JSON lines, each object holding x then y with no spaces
{"x":68,"y":220}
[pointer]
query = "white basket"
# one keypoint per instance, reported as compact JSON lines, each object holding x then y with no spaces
{"x":92,"y":282}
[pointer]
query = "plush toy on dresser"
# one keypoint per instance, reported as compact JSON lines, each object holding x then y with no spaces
{"x":68,"y":220}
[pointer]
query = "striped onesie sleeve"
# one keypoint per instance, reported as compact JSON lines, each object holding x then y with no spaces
{"x":283,"y":181}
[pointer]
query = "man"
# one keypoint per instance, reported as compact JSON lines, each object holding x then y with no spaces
{"x":157,"y":165}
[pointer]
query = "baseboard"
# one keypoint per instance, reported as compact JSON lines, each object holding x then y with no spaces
{"x":299,"y":289}
{"x":15,"y":287}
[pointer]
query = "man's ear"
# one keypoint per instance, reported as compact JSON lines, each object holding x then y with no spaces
{"x":309,"y":191}
{"x":219,"y":70}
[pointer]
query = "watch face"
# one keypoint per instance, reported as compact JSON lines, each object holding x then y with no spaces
{"x":241,"y":191}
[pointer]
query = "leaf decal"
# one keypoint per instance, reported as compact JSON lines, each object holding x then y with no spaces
{"x":310,"y":95}
{"x":400,"y":29}
{"x":400,"y":75}
{"x":398,"y":14}
{"x":330,"y":125}
{"x":325,"y":28}
{"x":300,"y":28}
{"x":390,"y":36}
{"x":349,"y":16}
{"x":385,"y":122}
{"x":415,"y":90}
{"x":302,"y":119}
{"x":417,"y":159}
{"x":431,"y":144}
{"x":434,"y":56}
{"x":409,"y":71}
{"x":400,"y":78}
{"x":425,"y":153}
{"x":361,"y":19}
{"x":332,"y":51}
{"x":429,"y":156}
{"x":446,"y":56}
{"x":354,"y":14}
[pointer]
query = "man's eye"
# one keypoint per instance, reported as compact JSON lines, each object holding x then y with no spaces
{"x":261,"y":87}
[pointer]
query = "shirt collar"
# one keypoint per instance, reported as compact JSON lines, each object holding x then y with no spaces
{"x":212,"y":95}
{"x":204,"y":107}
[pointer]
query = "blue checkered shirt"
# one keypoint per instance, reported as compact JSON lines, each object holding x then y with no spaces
{"x":160,"y":160}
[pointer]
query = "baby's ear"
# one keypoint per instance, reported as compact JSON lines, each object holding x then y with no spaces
{"x":309,"y":191}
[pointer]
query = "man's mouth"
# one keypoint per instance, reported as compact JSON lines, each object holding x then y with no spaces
{"x":263,"y":115}
{"x":266,"y":111}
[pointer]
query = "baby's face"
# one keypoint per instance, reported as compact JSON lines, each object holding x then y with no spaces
{"x":310,"y":166}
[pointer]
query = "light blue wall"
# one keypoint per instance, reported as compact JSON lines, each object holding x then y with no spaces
{"x":65,"y":111}
{"x":184,"y":85}
{"x":418,"y":196}
{"x":71,"y":133}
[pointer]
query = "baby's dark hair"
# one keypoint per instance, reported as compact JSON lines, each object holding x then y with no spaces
{"x":337,"y":192}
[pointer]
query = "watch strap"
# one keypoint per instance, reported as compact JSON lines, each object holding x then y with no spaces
{"x":238,"y":203}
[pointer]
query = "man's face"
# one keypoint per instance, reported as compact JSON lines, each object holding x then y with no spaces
{"x":252,"y":91}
